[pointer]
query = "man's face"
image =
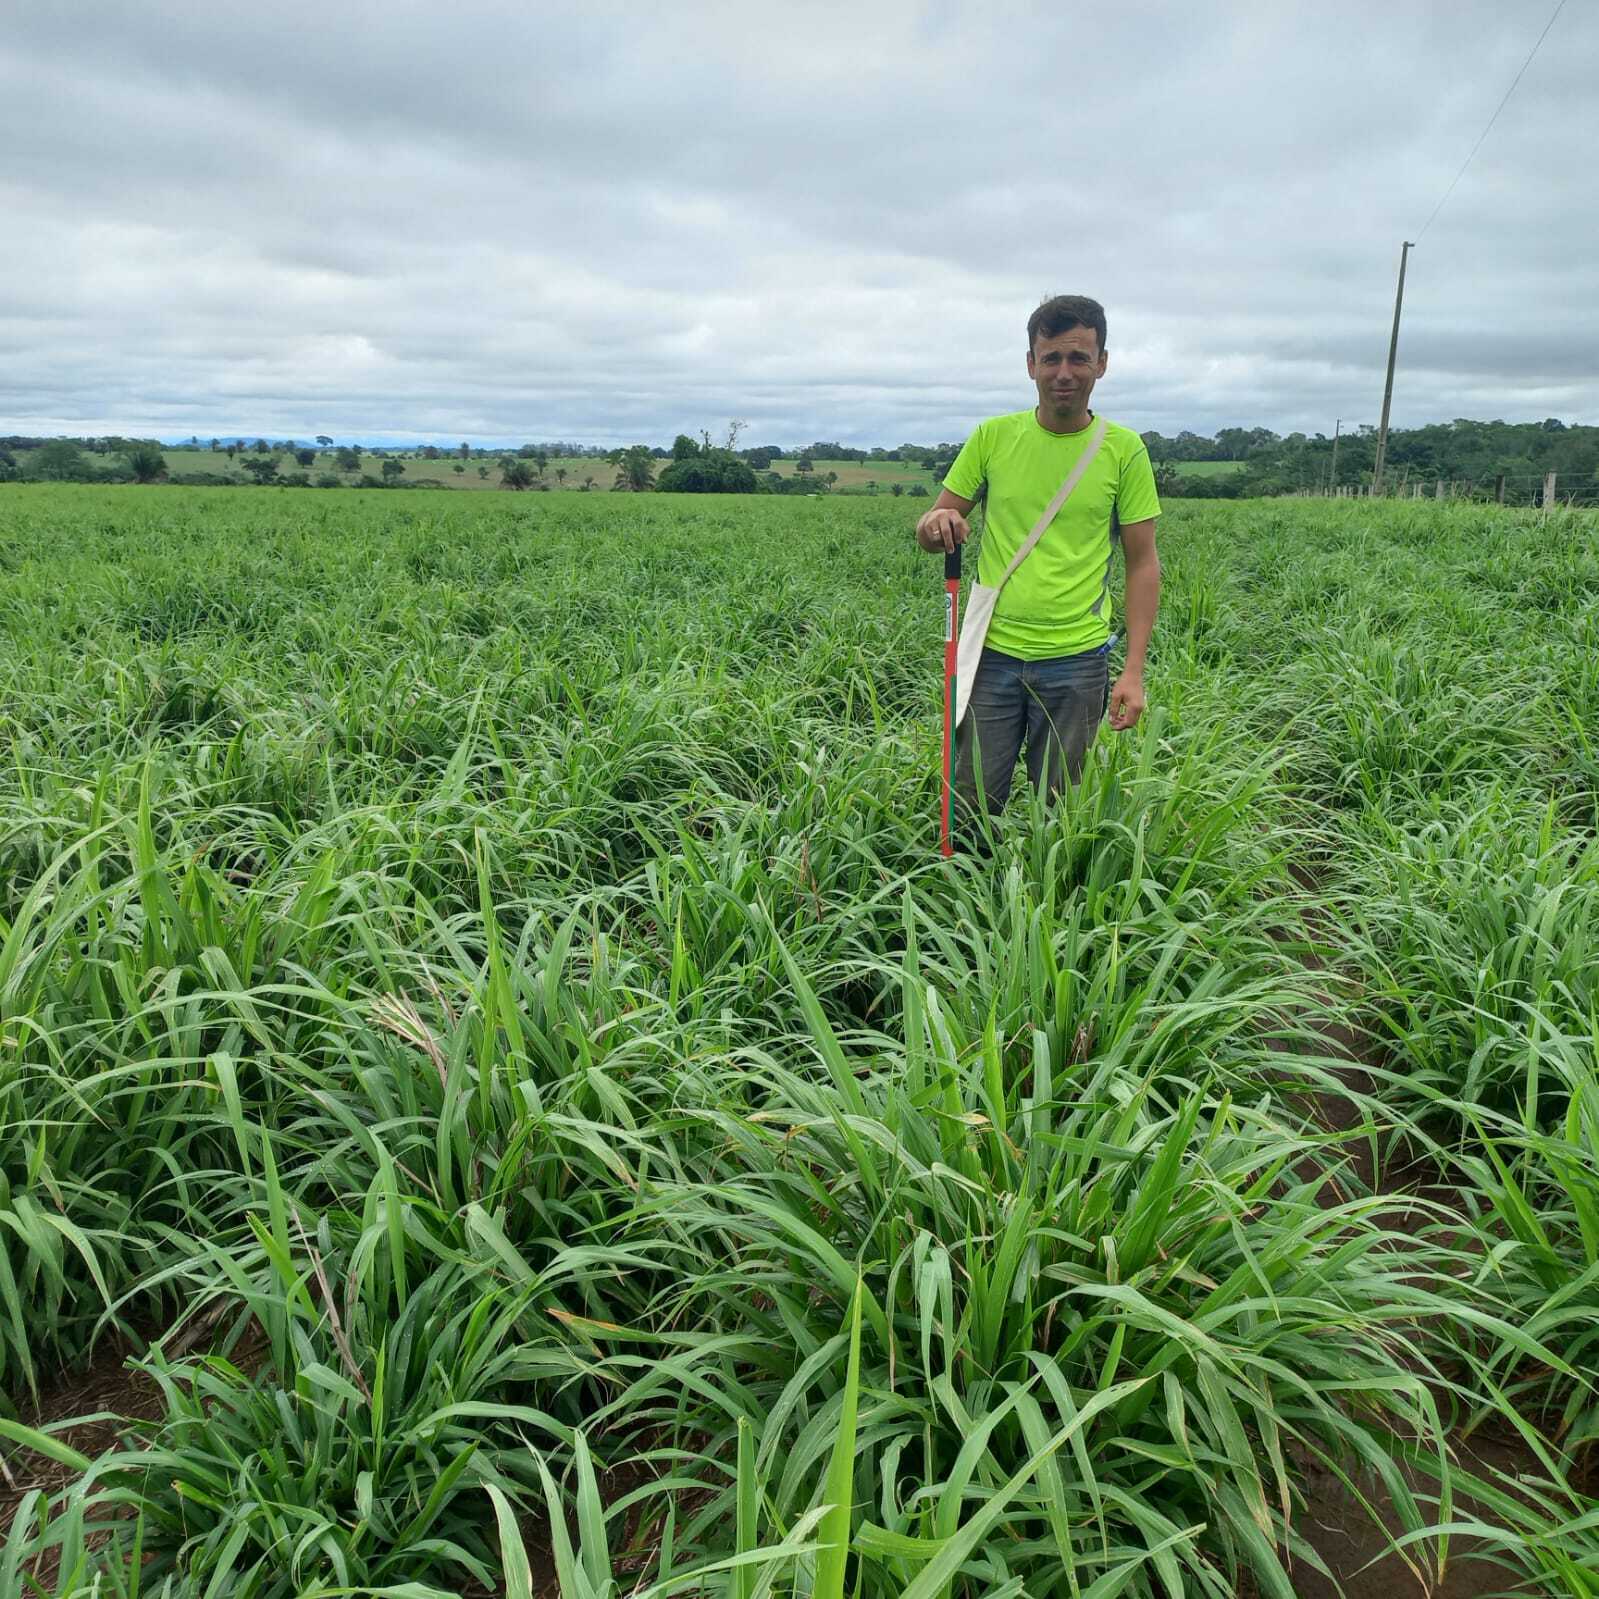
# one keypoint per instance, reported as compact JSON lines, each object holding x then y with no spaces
{"x":1066,"y":368}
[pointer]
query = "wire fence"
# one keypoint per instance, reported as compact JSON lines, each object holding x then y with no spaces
{"x":1538,"y":490}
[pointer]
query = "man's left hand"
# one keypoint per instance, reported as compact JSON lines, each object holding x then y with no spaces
{"x":1126,"y":701}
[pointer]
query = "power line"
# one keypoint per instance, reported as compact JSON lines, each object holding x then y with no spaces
{"x":1493,"y":119}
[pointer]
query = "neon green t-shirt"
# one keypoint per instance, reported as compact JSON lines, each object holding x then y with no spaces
{"x":1058,"y":603}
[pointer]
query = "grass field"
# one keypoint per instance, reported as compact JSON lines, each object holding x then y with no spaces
{"x":572,"y":473}
{"x":485,"y":1027}
{"x":851,"y":475}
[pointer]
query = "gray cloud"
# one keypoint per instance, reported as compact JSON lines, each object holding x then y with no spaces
{"x":587,"y":222}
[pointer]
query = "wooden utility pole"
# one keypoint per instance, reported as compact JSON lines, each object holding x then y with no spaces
{"x":1388,"y":387}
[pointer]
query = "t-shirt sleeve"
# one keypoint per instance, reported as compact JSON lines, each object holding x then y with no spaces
{"x":970,"y":470}
{"x":1136,"y":499}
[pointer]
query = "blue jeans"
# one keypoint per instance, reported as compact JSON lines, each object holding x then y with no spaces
{"x":1052,"y":707}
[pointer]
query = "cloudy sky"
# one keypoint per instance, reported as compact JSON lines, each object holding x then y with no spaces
{"x":613,"y":222}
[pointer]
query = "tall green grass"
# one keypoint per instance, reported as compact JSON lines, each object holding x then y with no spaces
{"x":477,"y":990}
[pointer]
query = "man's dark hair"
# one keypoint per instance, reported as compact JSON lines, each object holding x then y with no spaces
{"x":1062,"y":313}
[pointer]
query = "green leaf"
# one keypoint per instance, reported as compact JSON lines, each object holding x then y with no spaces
{"x":839,"y":1490}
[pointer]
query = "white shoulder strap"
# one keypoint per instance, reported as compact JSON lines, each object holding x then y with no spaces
{"x":1052,"y":510}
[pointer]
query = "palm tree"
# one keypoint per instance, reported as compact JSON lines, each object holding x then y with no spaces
{"x":635,"y":469}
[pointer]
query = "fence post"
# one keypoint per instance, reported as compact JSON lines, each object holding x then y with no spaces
{"x":1499,"y":489}
{"x":1439,"y":493}
{"x":1548,"y":490}
{"x":1415,"y":493}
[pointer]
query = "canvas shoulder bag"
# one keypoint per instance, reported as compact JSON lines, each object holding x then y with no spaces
{"x":983,"y":597}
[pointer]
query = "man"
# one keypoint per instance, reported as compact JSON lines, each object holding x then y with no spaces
{"x":1043,"y":681}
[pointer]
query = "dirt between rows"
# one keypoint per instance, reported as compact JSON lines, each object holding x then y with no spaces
{"x":105,"y":1394}
{"x":1355,"y":1548}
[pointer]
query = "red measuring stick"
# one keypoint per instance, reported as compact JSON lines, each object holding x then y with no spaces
{"x":952,"y":599}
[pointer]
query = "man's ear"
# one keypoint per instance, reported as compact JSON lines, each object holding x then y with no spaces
{"x":1101,"y":372}
{"x":1030,"y":372}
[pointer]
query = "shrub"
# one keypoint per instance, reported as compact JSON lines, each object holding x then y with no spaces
{"x":711,"y":472}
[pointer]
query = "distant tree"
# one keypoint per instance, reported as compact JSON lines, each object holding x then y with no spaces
{"x":560,"y":476}
{"x":916,"y":492}
{"x":348,"y":460}
{"x":393,"y":471}
{"x":832,"y":450}
{"x":10,"y":472}
{"x":323,"y":440}
{"x":430,"y":452}
{"x":262,"y":447}
{"x":458,"y":469}
{"x":896,"y":489}
{"x":482,"y":471}
{"x":464,"y":450}
{"x":329,"y":480}
{"x":710,"y":472}
{"x":759,"y":460}
{"x":147,"y":462}
{"x":588,"y":483}
{"x":263,"y":468}
{"x":684,"y":448}
{"x":805,"y":465}
{"x":305,"y":457}
{"x":61,"y":461}
{"x":516,"y":474}
{"x":541,"y":459}
{"x":232,"y":451}
{"x":194,"y":441}
{"x":871,"y":485}
{"x":216,"y":444}
{"x":635,"y":469}
{"x":832,"y":478}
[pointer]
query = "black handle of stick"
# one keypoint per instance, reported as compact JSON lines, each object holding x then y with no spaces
{"x":952,"y":564}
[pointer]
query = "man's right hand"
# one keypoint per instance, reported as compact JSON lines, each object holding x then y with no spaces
{"x":942,"y":529}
